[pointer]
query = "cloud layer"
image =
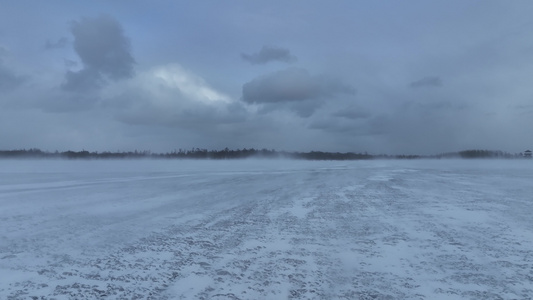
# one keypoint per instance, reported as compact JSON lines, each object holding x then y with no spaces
{"x":104,"y":51}
{"x":60,"y":43}
{"x":269,"y":54}
{"x":430,"y":81}
{"x":100,"y":75}
{"x":294,"y":89}
{"x":9,"y":79}
{"x":293,"y":84}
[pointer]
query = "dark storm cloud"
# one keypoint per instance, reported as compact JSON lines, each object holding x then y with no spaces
{"x":293,"y":84}
{"x":101,"y":44}
{"x":268,"y":54}
{"x":104,"y":51}
{"x":60,"y":43}
{"x":430,"y":81}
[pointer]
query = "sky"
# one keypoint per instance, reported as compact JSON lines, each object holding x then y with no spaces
{"x":383,"y":77}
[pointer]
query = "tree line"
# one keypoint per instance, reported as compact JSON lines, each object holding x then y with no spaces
{"x":194,"y":153}
{"x":197,"y":153}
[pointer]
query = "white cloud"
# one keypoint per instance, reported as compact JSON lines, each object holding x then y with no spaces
{"x":190,"y":85}
{"x":172,"y":96}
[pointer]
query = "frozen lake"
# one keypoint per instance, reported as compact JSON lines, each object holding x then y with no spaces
{"x":266,"y":229}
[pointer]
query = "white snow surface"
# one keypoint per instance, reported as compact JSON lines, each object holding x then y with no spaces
{"x":266,"y":229}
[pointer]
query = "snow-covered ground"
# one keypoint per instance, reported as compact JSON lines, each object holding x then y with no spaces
{"x":266,"y":229}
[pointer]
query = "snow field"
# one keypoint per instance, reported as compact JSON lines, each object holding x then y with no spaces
{"x":266,"y":229}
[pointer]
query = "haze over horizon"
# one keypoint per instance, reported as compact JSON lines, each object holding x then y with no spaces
{"x":414,"y":77}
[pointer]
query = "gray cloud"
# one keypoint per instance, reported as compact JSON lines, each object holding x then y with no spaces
{"x":174,"y":109}
{"x":171,"y":96}
{"x":57,"y":101}
{"x":292,"y":84}
{"x":346,"y":124}
{"x":475,"y":95}
{"x":104,"y":51}
{"x":83,"y":80}
{"x":197,"y":118}
{"x":525,"y":109}
{"x":3,"y":52}
{"x":293,"y":89}
{"x":268,"y":54}
{"x":430,"y":81}
{"x":60,"y":43}
{"x":352,"y":114}
{"x":9,"y":79}
{"x":304,"y":109}
{"x":332,"y":126}
{"x":70,"y":63}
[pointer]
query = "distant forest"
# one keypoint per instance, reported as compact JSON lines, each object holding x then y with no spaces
{"x":197,"y":153}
